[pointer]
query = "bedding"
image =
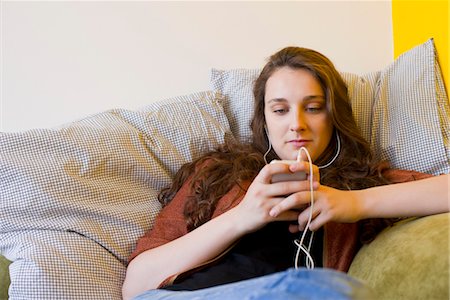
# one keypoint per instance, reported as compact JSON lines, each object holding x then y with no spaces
{"x":74,"y":199}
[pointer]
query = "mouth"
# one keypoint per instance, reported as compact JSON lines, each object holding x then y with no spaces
{"x":299,"y":143}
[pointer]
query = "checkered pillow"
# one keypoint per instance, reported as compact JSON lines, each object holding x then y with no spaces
{"x":403,"y":110}
{"x":236,"y":86}
{"x":74,"y":199}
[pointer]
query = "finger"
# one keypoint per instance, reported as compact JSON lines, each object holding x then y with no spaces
{"x":316,"y":173}
{"x":266,"y":173}
{"x":319,"y":221}
{"x":293,"y":228}
{"x":304,"y":216}
{"x":290,"y":215}
{"x":290,"y":187}
{"x":304,"y":166}
{"x":294,"y":201}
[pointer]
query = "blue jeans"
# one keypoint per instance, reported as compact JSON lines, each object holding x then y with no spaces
{"x":290,"y":284}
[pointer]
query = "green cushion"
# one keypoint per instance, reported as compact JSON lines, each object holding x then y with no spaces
{"x":4,"y":277}
{"x":408,"y":261}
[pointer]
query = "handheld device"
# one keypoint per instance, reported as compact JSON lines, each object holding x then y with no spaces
{"x":297,"y":176}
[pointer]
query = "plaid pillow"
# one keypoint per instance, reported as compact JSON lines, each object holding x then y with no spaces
{"x":75,"y":199}
{"x":402,"y":110}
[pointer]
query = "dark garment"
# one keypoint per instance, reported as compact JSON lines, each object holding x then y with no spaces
{"x":263,"y":252}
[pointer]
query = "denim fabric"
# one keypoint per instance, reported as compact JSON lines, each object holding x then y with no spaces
{"x":317,"y":284}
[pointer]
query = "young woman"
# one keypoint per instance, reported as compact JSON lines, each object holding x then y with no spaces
{"x":225,"y":219}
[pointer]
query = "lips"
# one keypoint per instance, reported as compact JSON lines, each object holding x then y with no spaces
{"x":299,"y":143}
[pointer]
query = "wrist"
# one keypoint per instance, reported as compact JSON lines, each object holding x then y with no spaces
{"x":234,"y":222}
{"x":240,"y":225}
{"x":361,"y":204}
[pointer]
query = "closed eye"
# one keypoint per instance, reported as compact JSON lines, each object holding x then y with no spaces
{"x":314,"y":108}
{"x":280,"y":111}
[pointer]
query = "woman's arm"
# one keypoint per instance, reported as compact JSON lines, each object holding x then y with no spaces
{"x":415,"y":198}
{"x":151,"y":267}
{"x":148,"y":269}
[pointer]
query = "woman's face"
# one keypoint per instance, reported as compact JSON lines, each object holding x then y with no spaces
{"x":295,"y":113}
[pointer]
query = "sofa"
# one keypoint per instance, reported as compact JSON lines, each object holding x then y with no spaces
{"x":74,"y":199}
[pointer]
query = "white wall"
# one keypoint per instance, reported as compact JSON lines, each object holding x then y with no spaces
{"x":64,"y":60}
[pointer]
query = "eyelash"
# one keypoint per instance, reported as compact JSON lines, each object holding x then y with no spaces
{"x":314,"y":109}
{"x":279,"y":111}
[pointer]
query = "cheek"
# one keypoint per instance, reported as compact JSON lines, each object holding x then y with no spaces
{"x":266,"y":117}
{"x":325,"y":130}
{"x":327,"y":133}
{"x":270,"y":122}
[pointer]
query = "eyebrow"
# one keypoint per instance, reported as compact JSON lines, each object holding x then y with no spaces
{"x":307,"y":98}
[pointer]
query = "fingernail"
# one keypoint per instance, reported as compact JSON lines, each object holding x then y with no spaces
{"x":273,"y":213}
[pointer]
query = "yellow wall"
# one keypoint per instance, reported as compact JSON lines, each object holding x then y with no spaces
{"x":414,"y":22}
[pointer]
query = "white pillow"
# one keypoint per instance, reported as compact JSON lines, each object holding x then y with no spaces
{"x":402,"y":110}
{"x":75,"y":199}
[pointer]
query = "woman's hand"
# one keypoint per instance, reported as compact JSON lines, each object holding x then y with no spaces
{"x":329,"y":205}
{"x":253,"y":212}
{"x":332,"y":205}
{"x":416,"y":198}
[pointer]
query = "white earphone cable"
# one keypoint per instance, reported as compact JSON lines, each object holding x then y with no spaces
{"x":309,"y":261}
{"x":338,"y":151}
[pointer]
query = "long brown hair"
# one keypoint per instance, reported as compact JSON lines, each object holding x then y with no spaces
{"x":354,"y":167}
{"x":215,"y":173}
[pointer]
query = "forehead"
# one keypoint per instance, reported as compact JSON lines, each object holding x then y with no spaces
{"x":292,"y":84}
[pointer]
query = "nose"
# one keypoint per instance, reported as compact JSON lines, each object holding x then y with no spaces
{"x":298,"y":122}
